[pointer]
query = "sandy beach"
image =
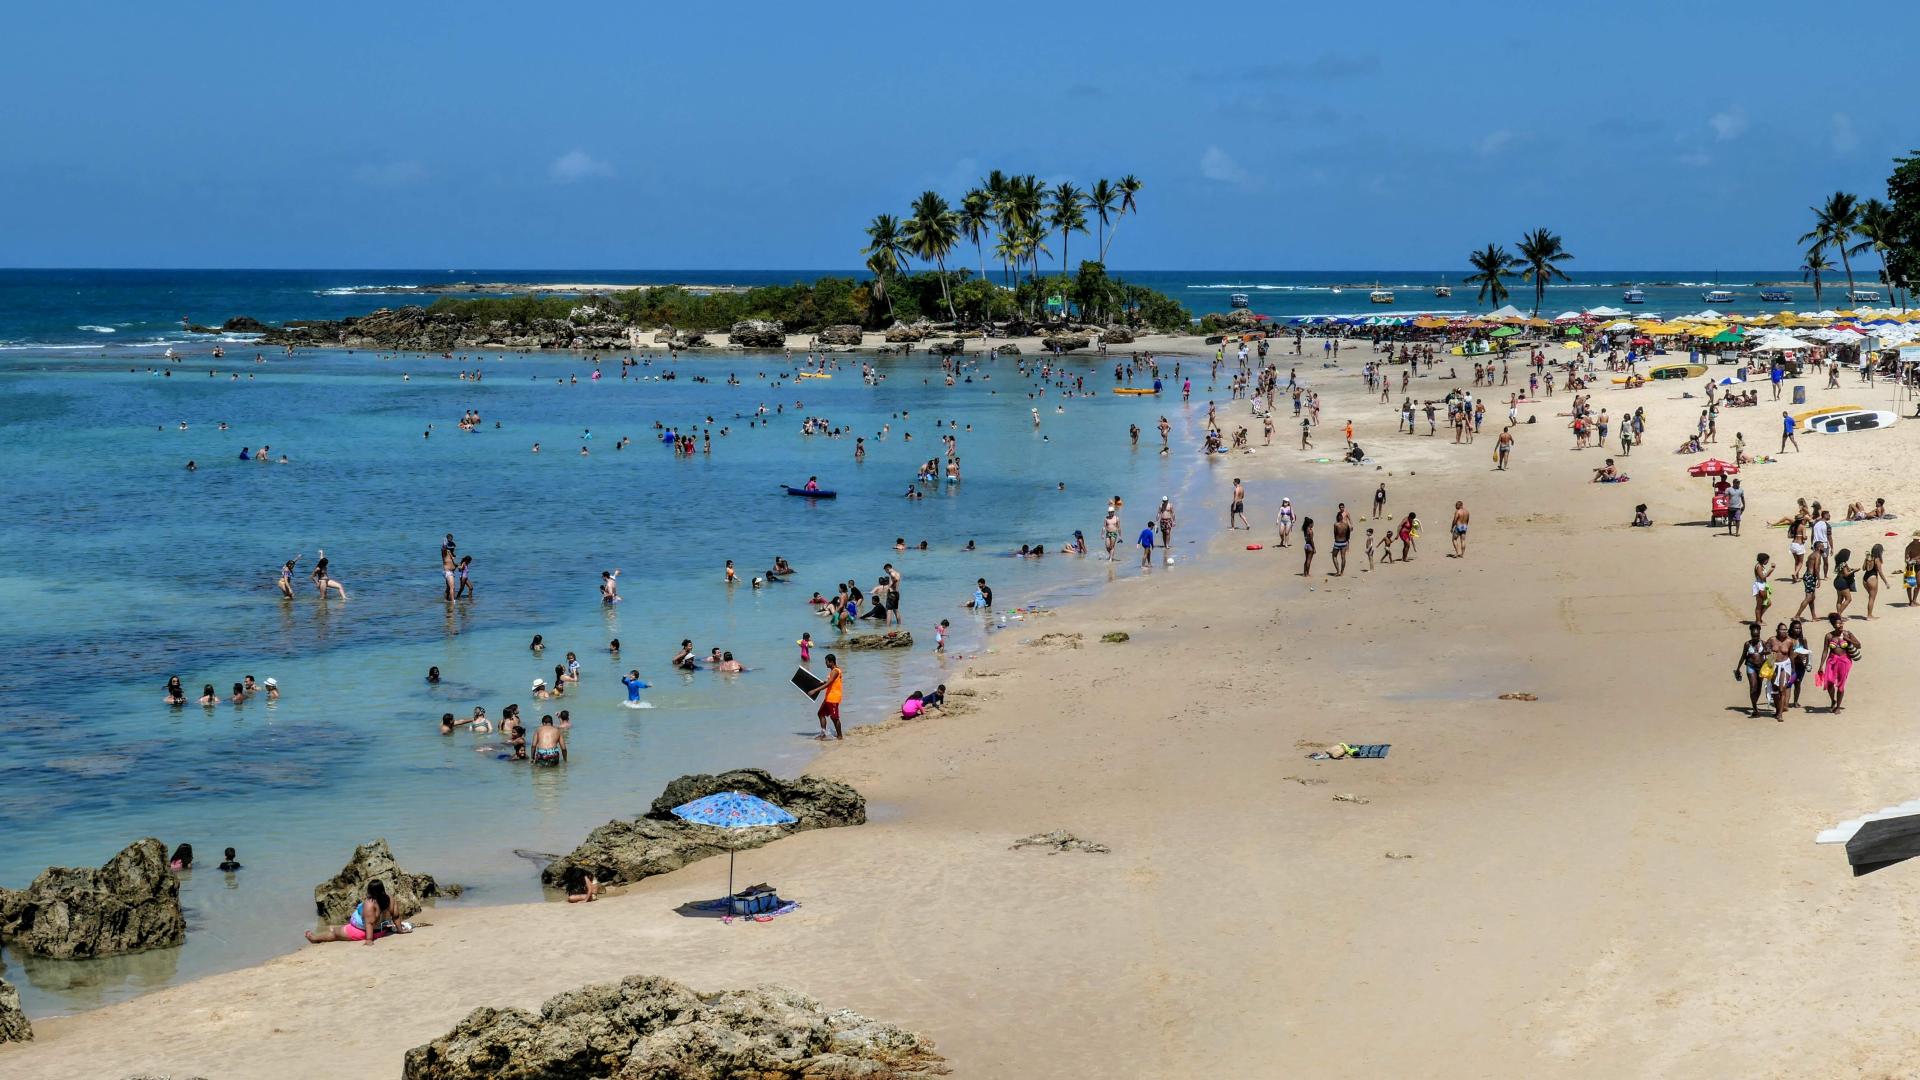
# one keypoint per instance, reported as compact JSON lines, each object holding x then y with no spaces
{"x":1616,"y":879}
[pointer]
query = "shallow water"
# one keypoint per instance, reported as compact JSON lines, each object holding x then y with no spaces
{"x":118,"y":568}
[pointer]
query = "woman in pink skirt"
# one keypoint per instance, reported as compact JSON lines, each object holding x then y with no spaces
{"x":1840,"y":650}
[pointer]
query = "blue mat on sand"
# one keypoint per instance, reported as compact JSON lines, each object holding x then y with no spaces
{"x":1369,"y":750}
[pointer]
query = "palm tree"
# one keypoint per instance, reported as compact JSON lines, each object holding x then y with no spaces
{"x":1833,"y":226}
{"x":931,"y":233}
{"x":1491,"y":267}
{"x":1101,"y":200}
{"x":886,"y":253}
{"x":1068,"y":214}
{"x":976,"y":220}
{"x":995,"y":185}
{"x":1540,"y":252}
{"x":1129,"y":186}
{"x":1815,"y":265}
{"x":1877,"y":231}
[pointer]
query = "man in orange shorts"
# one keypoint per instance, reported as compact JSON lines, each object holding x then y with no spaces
{"x":830,"y":694}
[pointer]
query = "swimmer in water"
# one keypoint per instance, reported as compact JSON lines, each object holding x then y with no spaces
{"x":549,"y":743}
{"x":634,"y":684}
{"x":609,"y":587}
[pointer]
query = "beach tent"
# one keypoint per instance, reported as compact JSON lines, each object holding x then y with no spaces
{"x":1613,"y":327}
{"x":1508,"y":313}
{"x":1568,"y":316}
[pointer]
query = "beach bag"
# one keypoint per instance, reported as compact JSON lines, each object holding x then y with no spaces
{"x":755,"y":901}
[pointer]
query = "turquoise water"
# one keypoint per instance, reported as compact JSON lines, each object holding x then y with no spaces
{"x":118,"y":568}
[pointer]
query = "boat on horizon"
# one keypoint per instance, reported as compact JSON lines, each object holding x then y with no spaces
{"x":1633,"y":296}
{"x":1718,"y":296}
{"x":1237,"y":300}
{"x":1776,"y":296}
{"x":1380,"y":296}
{"x":1864,"y":296}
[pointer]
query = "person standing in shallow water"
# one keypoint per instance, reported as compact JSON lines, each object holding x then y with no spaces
{"x":1459,"y":530}
{"x":449,"y":564}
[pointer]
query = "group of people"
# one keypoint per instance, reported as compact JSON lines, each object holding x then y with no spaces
{"x":243,"y":691}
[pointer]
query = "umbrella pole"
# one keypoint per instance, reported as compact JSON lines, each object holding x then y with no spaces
{"x":730,"y":851}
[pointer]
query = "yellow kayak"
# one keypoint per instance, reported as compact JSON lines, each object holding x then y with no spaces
{"x":1811,"y":413}
{"x":1131,"y":390}
{"x":814,"y":375}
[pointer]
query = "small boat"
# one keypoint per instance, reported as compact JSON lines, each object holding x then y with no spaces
{"x":1237,"y":300}
{"x":1718,"y":296}
{"x":1843,"y":422}
{"x":1865,"y":296}
{"x":1134,"y":390}
{"x":1380,"y":296}
{"x":816,"y":493}
{"x":1776,"y":296}
{"x":1634,"y":296}
{"x":1442,"y":290}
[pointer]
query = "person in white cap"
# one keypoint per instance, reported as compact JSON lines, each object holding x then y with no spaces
{"x":540,"y":688}
{"x":1284,"y":519}
{"x":273,"y":689}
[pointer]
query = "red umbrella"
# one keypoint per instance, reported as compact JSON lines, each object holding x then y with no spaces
{"x":1713,"y":467}
{"x":1643,"y":341}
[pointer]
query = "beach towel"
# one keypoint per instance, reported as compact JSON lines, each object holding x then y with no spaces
{"x":1368,"y":750}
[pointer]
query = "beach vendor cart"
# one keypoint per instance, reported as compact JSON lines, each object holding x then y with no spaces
{"x":1719,"y":471}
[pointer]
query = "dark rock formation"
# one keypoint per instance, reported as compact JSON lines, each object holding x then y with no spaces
{"x":416,"y":329}
{"x":13,"y":1022}
{"x":900,"y":332}
{"x":334,"y":899}
{"x":68,"y":913}
{"x":1116,"y":335}
{"x":757,"y":334}
{"x":657,"y":843}
{"x":649,"y":1028}
{"x":947,"y":348}
{"x":244,"y":324}
{"x":1009,"y":349}
{"x":891,"y":639}
{"x":844,"y":334}
{"x":1068,"y":341}
{"x":196,"y":328}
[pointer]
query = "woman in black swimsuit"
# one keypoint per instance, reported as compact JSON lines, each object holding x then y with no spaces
{"x":1843,"y":579}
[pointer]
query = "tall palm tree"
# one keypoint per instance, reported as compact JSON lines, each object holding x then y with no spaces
{"x":886,"y":253}
{"x":1833,"y":226}
{"x":1877,"y":232}
{"x":1067,"y":213}
{"x":995,"y":185}
{"x":1815,"y":265}
{"x":1129,"y":186}
{"x":976,"y":221}
{"x":931,"y":233}
{"x":1540,"y":252}
{"x":1101,"y":200}
{"x":1490,"y":269}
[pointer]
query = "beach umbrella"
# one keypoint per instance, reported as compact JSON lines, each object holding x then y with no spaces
{"x":1713,"y":467}
{"x":732,"y":810}
{"x":1506,"y":331}
{"x":1643,"y":340}
{"x":1726,"y":337}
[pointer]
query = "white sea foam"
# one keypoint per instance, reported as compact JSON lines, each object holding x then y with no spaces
{"x":96,"y":329}
{"x":359,"y":290}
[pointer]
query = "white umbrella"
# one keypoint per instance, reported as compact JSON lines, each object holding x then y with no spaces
{"x":1568,"y":316}
{"x":1621,"y":325}
{"x":1604,"y":312}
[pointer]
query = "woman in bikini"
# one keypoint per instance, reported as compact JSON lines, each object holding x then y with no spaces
{"x":286,"y":578}
{"x":372,"y":919}
{"x":1284,"y":519}
{"x":323,"y":578}
{"x":1838,"y":653}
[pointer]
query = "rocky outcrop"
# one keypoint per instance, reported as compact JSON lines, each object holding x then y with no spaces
{"x":416,"y":329}
{"x":334,"y":899}
{"x":1116,"y":335}
{"x":68,"y":913}
{"x":1067,"y":342}
{"x":891,"y":639}
{"x":947,"y":348}
{"x":244,"y":324}
{"x":1009,"y":349}
{"x":657,"y":842}
{"x":900,"y":332}
{"x":844,"y":334}
{"x":649,"y":1028}
{"x":757,"y":334}
{"x":13,"y":1022}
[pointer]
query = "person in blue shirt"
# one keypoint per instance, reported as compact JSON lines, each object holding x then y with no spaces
{"x":1776,"y":374}
{"x":1786,"y":431}
{"x":634,"y":686}
{"x":1146,"y":545}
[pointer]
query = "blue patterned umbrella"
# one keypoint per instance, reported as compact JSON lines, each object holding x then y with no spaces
{"x":732,"y":810}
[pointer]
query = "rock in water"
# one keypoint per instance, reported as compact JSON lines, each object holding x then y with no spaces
{"x":244,"y":324}
{"x":1067,"y":342}
{"x":13,"y":1022}
{"x":841,"y":334}
{"x":757,"y":334}
{"x":1116,"y":335}
{"x":131,"y":903}
{"x":335,"y":898}
{"x":649,"y":1028}
{"x":892,"y":639}
{"x":657,"y":843}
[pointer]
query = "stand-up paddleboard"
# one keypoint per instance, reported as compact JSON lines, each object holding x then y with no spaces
{"x":1677,"y":371}
{"x":814,"y":375}
{"x":817,"y":493}
{"x":1864,"y":420}
{"x":1132,"y":390}
{"x":1810,"y":414}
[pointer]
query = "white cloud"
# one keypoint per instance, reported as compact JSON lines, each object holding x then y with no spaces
{"x":390,"y":173}
{"x":1215,"y":164}
{"x":1845,"y":139}
{"x":575,"y":165}
{"x":1730,"y":124}
{"x":1494,"y":141}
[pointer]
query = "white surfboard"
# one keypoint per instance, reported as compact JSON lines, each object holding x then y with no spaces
{"x":1862,"y":420}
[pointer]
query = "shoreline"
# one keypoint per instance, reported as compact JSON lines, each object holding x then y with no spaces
{"x":1614,"y":879}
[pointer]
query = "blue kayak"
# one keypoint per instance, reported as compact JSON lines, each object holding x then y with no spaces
{"x":817,"y":493}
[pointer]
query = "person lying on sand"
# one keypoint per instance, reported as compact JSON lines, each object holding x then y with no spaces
{"x":376,"y":911}
{"x":1857,"y":511}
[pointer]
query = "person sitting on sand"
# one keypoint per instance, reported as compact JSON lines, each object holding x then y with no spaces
{"x":375,"y":912}
{"x":1691,"y":446}
{"x":580,"y":885}
{"x":1640,"y":518}
{"x":1607,"y":474}
{"x":1857,"y":511}
{"x":915,"y":704}
{"x":549,"y":743}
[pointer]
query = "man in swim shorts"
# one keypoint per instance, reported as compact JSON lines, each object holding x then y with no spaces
{"x":830,"y":693}
{"x":549,"y":743}
{"x":1459,"y":530}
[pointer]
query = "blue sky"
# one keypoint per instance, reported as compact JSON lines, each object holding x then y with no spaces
{"x":1387,"y":135}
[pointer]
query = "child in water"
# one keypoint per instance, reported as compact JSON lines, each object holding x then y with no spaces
{"x":229,"y":863}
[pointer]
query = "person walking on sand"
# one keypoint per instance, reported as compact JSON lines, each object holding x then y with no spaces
{"x":1306,"y":542}
{"x":1752,"y":661}
{"x":1306,"y":431}
{"x":1736,"y":507}
{"x":1342,"y":536}
{"x":1236,"y":509}
{"x":830,"y":693}
{"x":1146,"y":547}
{"x":1837,"y":655}
{"x":1762,"y":591}
{"x":1110,"y":530}
{"x":1786,"y":429}
{"x":1166,"y":529}
{"x":1379,"y":501}
{"x":1459,"y":530}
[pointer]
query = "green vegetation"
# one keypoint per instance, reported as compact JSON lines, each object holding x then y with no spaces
{"x":1490,"y":268}
{"x":1900,"y":255}
{"x":1541,"y":253}
{"x":1815,"y":264}
{"x":1834,"y":226}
